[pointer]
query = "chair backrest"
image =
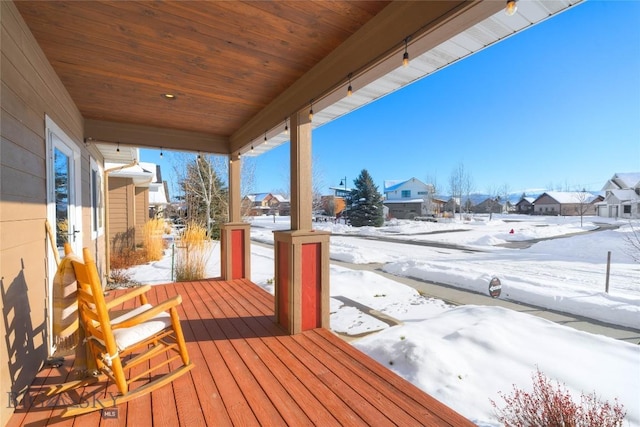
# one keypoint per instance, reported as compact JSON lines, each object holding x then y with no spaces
{"x":94,"y":314}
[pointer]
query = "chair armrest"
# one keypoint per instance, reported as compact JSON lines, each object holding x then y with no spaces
{"x":150,"y":313}
{"x":139,"y":291}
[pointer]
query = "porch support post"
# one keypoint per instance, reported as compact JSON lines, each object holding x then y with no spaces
{"x":301,"y":254}
{"x":235,"y":249}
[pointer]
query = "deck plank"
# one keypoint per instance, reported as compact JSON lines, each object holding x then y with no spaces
{"x":334,"y":406}
{"x":230,"y":407}
{"x":237,"y":333}
{"x":248,"y":372}
{"x":295,"y":390}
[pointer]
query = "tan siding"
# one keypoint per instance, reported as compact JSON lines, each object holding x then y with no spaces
{"x":30,"y":90}
{"x":141,"y":212}
{"x":118,"y":206}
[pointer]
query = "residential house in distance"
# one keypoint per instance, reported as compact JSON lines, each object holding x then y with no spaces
{"x":257,"y":204}
{"x":337,"y":203}
{"x":525,"y":205}
{"x":408,"y":199}
{"x":621,"y":196}
{"x":489,"y":205}
{"x":565,"y":203}
{"x":158,"y":194}
{"x":283,"y":206}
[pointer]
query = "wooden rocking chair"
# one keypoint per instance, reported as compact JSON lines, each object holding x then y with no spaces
{"x":118,"y":344}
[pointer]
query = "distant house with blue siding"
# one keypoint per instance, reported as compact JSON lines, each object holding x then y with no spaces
{"x":409,"y":199}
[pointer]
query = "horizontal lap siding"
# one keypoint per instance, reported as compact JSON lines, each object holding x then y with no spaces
{"x":119,"y":216}
{"x":141,"y":212}
{"x":30,"y":89}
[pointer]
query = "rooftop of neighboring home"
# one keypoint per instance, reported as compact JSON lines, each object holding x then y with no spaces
{"x":569,"y":196}
{"x":625,"y":180}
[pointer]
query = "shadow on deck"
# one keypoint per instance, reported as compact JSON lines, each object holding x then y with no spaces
{"x":248,"y":371}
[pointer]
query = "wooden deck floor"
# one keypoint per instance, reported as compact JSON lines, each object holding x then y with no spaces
{"x":248,"y":372}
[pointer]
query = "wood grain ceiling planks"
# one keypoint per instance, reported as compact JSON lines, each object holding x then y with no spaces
{"x":224,"y":60}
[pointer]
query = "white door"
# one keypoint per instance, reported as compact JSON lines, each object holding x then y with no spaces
{"x":64,"y":206}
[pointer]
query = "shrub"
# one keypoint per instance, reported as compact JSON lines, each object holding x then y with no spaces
{"x":193,"y":253}
{"x":127,"y":257}
{"x":553,"y":407}
{"x":152,"y":239}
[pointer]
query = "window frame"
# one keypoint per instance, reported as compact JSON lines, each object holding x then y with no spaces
{"x":97,"y":199}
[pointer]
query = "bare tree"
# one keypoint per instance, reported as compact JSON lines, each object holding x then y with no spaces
{"x":461,"y":185}
{"x":202,"y":180}
{"x":427,"y":198}
{"x":494,"y":200}
{"x":504,"y":192}
{"x":455,"y":186}
{"x":633,"y":243}
{"x":584,"y":200}
{"x":317,"y":182}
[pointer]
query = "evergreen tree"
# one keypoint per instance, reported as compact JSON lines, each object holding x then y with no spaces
{"x":365,"y":202}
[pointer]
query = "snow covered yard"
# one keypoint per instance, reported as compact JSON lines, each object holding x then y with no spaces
{"x":466,"y":355}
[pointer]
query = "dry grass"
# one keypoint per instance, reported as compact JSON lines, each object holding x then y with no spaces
{"x":126,"y":258}
{"x":152,"y":239}
{"x":193,"y":253}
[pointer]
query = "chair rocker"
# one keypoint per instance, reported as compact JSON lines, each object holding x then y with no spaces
{"x":122,"y":342}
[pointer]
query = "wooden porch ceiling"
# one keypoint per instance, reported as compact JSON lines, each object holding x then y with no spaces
{"x":237,"y":69}
{"x":248,"y":372}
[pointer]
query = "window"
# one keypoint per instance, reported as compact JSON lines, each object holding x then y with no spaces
{"x":422,"y":193}
{"x":406,"y":194}
{"x":626,"y":209}
{"x":97,"y":201}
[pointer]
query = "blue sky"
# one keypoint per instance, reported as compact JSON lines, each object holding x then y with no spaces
{"x":554,"y":107}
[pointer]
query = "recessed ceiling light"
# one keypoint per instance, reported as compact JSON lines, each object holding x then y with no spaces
{"x":168,"y":96}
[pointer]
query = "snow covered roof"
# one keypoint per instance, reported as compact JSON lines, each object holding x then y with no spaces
{"x":257,"y":197}
{"x":403,"y":201}
{"x":623,"y":195}
{"x":527,"y":199}
{"x":261,"y":196}
{"x":279,"y":197}
{"x":150,"y":167}
{"x":157,"y":195}
{"x":141,"y":177}
{"x":569,"y":196}
{"x":625,"y":180}
{"x":393,"y":185}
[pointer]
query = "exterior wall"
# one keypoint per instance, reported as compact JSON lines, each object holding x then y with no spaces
{"x":524,"y":207}
{"x":545,"y":205}
{"x":414,"y":186}
{"x":574,"y":209}
{"x":404,"y":210}
{"x":30,"y":90}
{"x":615,"y":208}
{"x":487,"y":207}
{"x":128,"y":213}
{"x":121,"y":213}
{"x":141,"y":208}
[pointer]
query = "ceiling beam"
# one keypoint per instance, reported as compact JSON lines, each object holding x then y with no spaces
{"x":154,"y":137}
{"x":370,"y":53}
